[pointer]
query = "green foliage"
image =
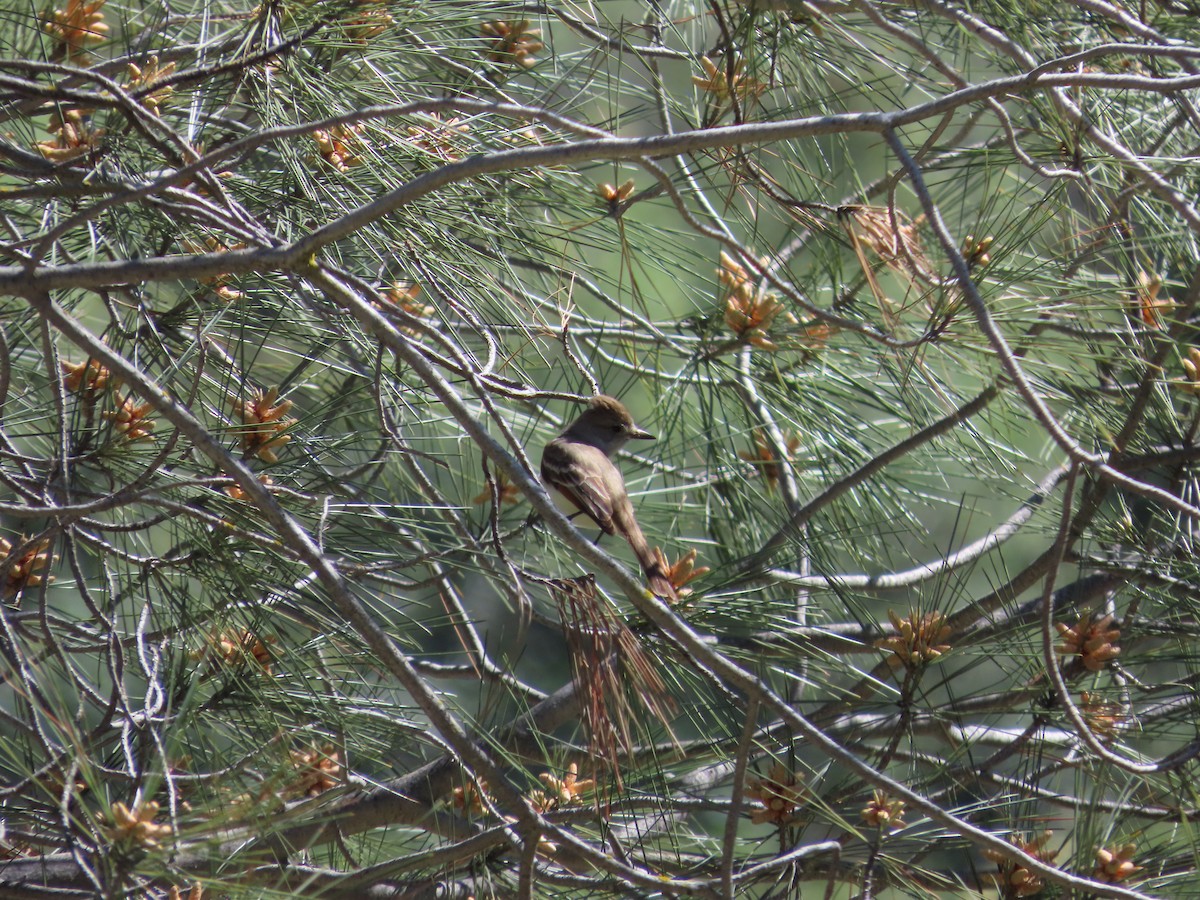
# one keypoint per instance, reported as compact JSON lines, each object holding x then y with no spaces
{"x":293,"y":294}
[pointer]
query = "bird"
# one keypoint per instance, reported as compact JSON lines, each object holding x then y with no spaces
{"x":578,"y":464}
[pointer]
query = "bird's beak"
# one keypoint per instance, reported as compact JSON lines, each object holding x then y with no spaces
{"x":636,"y":432}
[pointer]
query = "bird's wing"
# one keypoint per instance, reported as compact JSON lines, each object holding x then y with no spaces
{"x":561,"y":469}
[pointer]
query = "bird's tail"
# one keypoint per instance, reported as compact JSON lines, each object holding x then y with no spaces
{"x":656,"y":573}
{"x":653,"y":563}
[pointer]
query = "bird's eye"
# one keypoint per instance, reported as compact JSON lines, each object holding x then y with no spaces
{"x":617,"y":428}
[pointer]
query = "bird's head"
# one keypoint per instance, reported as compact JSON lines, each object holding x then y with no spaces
{"x":606,"y":424}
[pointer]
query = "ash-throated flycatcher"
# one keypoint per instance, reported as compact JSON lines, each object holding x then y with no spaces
{"x":577,"y":465}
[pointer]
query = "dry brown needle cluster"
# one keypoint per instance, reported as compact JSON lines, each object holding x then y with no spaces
{"x":611,"y":667}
